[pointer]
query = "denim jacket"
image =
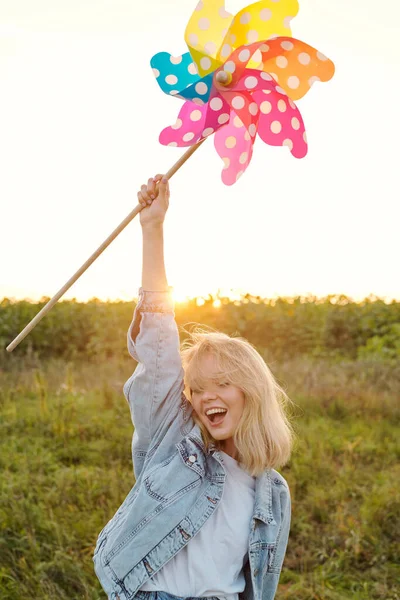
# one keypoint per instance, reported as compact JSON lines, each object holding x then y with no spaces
{"x":178,"y":484}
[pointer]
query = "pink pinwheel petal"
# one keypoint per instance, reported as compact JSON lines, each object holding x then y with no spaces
{"x":245,"y":108}
{"x":280,"y":122}
{"x":235,"y":146}
{"x":218,"y":113}
{"x":188,"y":128}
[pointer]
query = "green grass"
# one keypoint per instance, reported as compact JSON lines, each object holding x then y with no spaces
{"x":65,"y":462}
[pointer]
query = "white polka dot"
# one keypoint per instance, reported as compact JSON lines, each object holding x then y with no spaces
{"x":230,"y":141}
{"x":224,"y":118}
{"x":192,"y":69}
{"x":244,"y":55}
{"x":227,"y":162}
{"x":252,"y":36}
{"x":276,"y":127}
{"x":264,"y":48}
{"x":265,"y":14}
{"x":286,"y":21}
{"x":282,"y":106}
{"x":280,"y":90}
{"x":216,"y":104}
{"x":208,"y":131}
{"x":243,"y":157}
{"x":232,"y":39}
{"x":210,"y":48}
{"x":288,"y":143}
{"x":200,"y":6}
{"x":198,"y":101}
{"x":287,"y":45}
{"x":177,"y":125}
{"x":226,"y":50}
{"x":237,"y":122}
{"x":253,"y":108}
{"x":265,"y":107}
{"x":266,"y":92}
{"x":240,"y":173}
{"x":205,"y":63}
{"x":223,"y":13}
{"x":196,"y":115}
{"x":305,"y":137}
{"x":282,"y":62}
{"x":171,"y":79}
{"x":312,"y":80}
{"x":292,"y":104}
{"x":193,"y":39}
{"x":156,"y":72}
{"x":201,"y":88}
{"x":293,"y":82}
{"x":304,"y":58}
{"x":238,"y":102}
{"x":273,"y":36}
{"x":295,"y":123}
{"x":174,"y":92}
{"x":247,"y":136}
{"x":322,"y":56}
{"x":252,"y":129}
{"x":176,"y":60}
{"x":172,"y":144}
{"x":229,"y":66}
{"x":245,"y":18}
{"x":265,"y":76}
{"x":188,"y":136}
{"x":274,"y":76}
{"x":250,"y":82}
{"x":204,"y":24}
{"x":257,"y":56}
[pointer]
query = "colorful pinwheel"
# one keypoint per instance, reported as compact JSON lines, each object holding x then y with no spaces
{"x":239,"y":78}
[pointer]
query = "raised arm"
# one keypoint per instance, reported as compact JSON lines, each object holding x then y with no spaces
{"x":155,"y":388}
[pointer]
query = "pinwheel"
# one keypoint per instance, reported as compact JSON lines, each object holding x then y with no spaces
{"x":239,"y":79}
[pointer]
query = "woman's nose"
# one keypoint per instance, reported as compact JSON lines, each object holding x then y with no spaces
{"x":208,"y":395}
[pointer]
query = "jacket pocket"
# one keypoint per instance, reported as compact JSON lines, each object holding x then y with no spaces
{"x":170,"y":479}
{"x":269,"y":559}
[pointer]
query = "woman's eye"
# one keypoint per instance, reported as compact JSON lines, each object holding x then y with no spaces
{"x":223,"y":383}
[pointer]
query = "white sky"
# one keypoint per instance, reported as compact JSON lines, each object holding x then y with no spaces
{"x":80,"y":115}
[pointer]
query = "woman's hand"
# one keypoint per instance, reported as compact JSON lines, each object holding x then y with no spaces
{"x":155,"y":200}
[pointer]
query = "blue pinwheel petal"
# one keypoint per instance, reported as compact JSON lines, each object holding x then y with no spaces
{"x":199,"y":92}
{"x":174,"y":74}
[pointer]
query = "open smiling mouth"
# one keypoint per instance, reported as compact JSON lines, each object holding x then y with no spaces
{"x":216,"y":418}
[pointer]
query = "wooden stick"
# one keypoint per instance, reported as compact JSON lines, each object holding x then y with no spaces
{"x":96,"y":254}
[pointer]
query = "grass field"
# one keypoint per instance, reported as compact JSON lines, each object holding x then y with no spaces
{"x":65,"y":435}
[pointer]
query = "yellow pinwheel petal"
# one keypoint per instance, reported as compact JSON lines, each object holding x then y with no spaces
{"x":205,"y":33}
{"x":259,"y":21}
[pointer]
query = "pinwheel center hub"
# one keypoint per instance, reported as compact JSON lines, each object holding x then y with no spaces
{"x":223,"y":77}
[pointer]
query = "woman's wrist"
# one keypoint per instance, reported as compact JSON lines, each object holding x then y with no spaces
{"x":153,"y":228}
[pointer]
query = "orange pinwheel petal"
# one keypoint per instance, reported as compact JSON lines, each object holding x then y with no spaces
{"x":295,"y":65}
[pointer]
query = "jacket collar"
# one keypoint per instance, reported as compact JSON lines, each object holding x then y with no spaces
{"x":263,"y":493}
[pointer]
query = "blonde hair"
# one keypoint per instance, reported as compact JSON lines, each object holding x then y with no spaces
{"x":264,"y":436}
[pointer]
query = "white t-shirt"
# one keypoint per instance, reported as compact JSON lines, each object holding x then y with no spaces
{"x":211,"y":563}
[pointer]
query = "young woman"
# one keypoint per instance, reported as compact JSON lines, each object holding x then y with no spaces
{"x":208,"y":516}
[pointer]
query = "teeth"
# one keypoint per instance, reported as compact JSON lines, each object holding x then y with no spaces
{"x":215,"y":410}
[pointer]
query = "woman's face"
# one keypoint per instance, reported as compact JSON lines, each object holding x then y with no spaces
{"x":218,"y":393}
